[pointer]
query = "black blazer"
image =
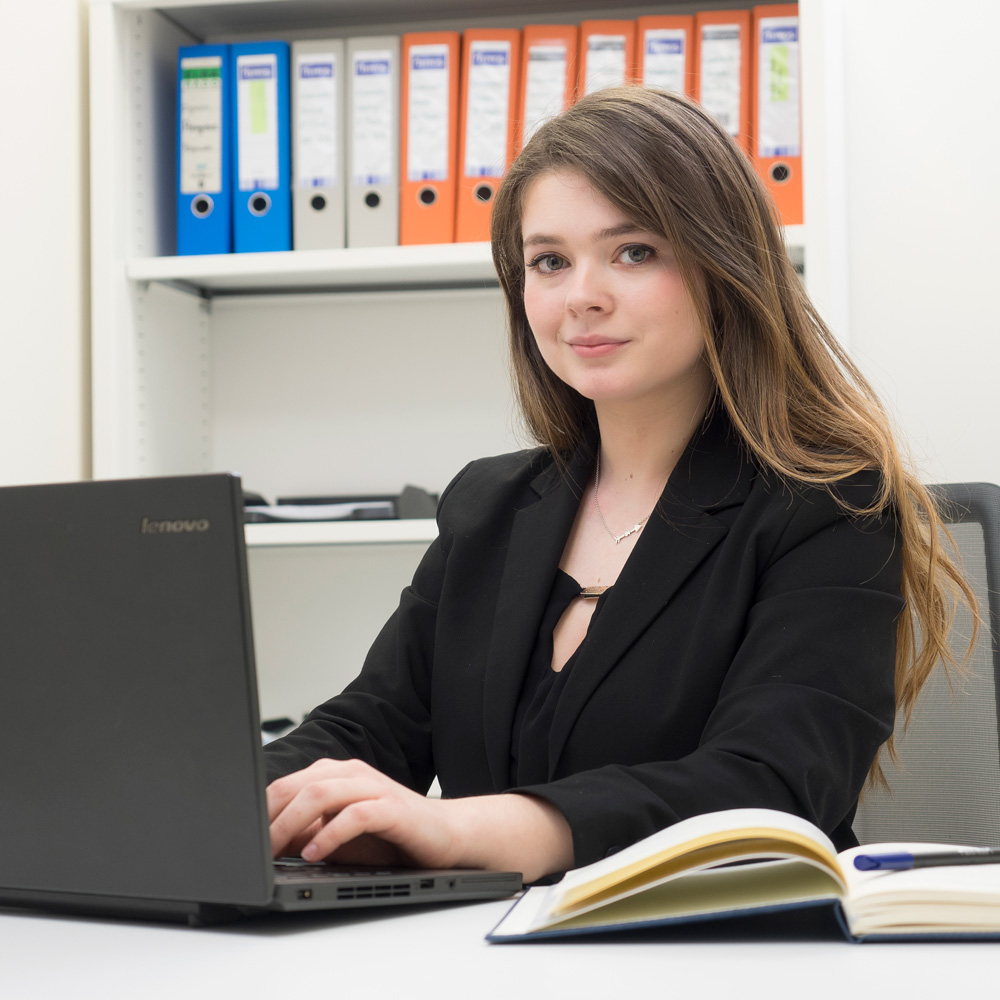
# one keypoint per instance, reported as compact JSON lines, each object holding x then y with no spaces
{"x":745,"y":656}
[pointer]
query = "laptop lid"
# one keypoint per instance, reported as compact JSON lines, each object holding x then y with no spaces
{"x":130,"y":762}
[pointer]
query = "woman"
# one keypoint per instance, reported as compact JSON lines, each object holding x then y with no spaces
{"x":699,"y":592}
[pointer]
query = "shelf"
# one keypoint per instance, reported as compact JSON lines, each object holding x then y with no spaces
{"x":227,"y":19}
{"x":415,"y":530}
{"x":444,"y":265}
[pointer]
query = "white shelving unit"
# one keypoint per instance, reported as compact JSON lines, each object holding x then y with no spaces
{"x":342,"y":371}
{"x":451,"y":265}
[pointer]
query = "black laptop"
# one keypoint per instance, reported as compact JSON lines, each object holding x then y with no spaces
{"x":131,"y":774}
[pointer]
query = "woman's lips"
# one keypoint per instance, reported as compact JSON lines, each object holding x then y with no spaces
{"x":595,"y":348}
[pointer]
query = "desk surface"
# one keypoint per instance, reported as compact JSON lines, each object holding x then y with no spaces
{"x":440,"y":952}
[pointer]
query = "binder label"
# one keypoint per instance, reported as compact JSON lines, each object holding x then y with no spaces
{"x":316,"y":120}
{"x":488,"y":109}
{"x":778,"y":88}
{"x":545,"y":90}
{"x":664,"y":59}
{"x":427,"y":122}
{"x":257,"y":121}
{"x":371,"y":118}
{"x":605,"y":62}
{"x":720,"y":74}
{"x":201,"y":125}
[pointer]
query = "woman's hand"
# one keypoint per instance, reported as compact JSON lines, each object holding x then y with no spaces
{"x":346,"y":811}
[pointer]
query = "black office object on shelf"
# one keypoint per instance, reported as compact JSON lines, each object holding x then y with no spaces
{"x":412,"y":502}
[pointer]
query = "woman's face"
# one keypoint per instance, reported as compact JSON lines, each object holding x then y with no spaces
{"x":605,"y":299}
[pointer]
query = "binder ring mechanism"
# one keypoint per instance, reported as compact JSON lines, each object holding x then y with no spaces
{"x":202,"y":205}
{"x":780,"y":172}
{"x":259,"y":203}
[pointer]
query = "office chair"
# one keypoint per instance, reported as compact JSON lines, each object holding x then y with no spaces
{"x":946,"y":786}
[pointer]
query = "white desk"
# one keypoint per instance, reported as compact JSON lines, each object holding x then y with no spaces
{"x":440,"y":953}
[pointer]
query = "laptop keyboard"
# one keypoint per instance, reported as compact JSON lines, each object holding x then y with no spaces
{"x":293,"y":870}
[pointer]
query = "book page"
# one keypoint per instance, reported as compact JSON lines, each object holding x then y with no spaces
{"x":714,"y":892}
{"x":523,"y":915}
{"x":946,"y":899}
{"x":693,"y":844}
{"x":858,"y":880}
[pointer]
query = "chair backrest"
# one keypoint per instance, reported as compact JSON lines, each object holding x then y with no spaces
{"x":946,"y":786}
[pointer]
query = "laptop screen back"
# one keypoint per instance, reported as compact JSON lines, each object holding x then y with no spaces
{"x":130,"y":744}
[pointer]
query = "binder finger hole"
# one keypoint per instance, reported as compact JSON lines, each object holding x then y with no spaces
{"x":427,"y":196}
{"x":202,"y":206}
{"x":780,"y":173}
{"x":259,"y":203}
{"x":318,"y":202}
{"x":372,"y":200}
{"x":484,"y":192}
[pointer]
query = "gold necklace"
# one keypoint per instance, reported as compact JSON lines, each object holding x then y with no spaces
{"x":635,"y":527}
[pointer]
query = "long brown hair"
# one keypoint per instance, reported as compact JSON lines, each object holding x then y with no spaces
{"x":794,"y":396}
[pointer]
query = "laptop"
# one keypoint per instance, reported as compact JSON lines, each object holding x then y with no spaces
{"x":131,"y":773}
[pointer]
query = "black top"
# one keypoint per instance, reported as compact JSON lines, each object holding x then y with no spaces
{"x":745,"y":656}
{"x":542,"y":688}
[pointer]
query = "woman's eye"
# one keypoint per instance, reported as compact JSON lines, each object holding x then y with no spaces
{"x":547,"y":263}
{"x":636,"y":254}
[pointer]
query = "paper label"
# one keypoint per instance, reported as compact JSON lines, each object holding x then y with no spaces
{"x":545,"y":92}
{"x":778,"y":88}
{"x":720,"y":74}
{"x":316,"y":120}
{"x":427,"y":121}
{"x":605,"y":62}
{"x":488,"y":109}
{"x":372,"y":107}
{"x":201,"y":124}
{"x":257,"y":120}
{"x":665,"y":59}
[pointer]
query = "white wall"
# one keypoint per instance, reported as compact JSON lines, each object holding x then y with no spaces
{"x":922,"y":149}
{"x":44,"y":274}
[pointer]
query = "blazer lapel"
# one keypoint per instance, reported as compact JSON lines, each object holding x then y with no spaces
{"x":711,"y":474}
{"x":537,"y":539}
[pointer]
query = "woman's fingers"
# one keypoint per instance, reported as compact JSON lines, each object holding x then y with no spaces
{"x":280,"y":792}
{"x":371,"y":817}
{"x":351,"y":811}
{"x":294,"y":847}
{"x":315,"y":803}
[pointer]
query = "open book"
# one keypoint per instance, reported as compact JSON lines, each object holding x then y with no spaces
{"x":746,"y":861}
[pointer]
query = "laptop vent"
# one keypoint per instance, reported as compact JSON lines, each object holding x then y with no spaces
{"x":372,"y":891}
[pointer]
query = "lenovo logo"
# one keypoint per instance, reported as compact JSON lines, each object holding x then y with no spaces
{"x":179,"y":527}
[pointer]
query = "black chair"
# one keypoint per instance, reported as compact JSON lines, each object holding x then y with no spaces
{"x":946,"y":786}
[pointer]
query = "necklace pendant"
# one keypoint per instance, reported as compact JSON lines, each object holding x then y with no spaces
{"x":631,"y":531}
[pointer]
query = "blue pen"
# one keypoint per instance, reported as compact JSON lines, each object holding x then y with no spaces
{"x":903,"y":861}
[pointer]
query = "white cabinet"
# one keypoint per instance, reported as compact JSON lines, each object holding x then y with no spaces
{"x":345,"y":371}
